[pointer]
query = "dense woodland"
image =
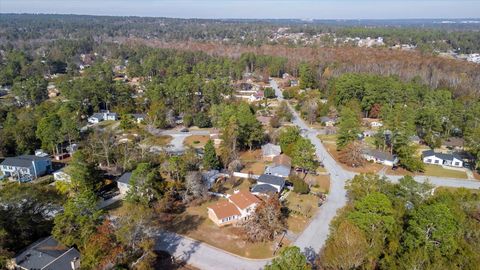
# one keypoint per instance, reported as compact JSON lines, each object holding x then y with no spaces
{"x":414,"y":94}
{"x":403,"y":226}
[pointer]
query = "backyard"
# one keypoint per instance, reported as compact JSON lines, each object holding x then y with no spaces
{"x":196,"y":141}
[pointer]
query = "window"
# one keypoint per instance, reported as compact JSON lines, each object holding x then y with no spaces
{"x":457,"y":163}
{"x":437,"y":161}
{"x":429,"y":160}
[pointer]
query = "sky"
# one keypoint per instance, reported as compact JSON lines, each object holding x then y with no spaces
{"x":253,"y":9}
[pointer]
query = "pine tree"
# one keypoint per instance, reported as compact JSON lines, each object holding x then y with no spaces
{"x":210,"y":158}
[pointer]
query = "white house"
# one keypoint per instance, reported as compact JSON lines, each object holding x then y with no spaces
{"x":328,"y":121}
{"x":26,"y":168}
{"x":277,"y":183}
{"x":376,"y":124}
{"x":102,"y":116}
{"x":123,"y":183}
{"x":452,"y":160}
{"x":381,"y":157}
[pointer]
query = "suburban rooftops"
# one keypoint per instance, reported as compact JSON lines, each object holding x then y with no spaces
{"x":243,"y":199}
{"x":225,"y":209}
{"x":443,"y":156}
{"x":379,"y":154}
{"x":22,"y":161}
{"x":264,"y":188}
{"x":271,"y":179}
{"x":48,"y":254}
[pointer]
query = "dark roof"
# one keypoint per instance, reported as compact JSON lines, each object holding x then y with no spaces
{"x":271,"y":179}
{"x":125,"y":178}
{"x":443,"y":156}
{"x":324,"y":119}
{"x":263,"y":188}
{"x":47,"y":253}
{"x":24,"y":161}
{"x":379,"y":154}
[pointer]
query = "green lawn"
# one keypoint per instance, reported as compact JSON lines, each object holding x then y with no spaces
{"x":434,"y":170}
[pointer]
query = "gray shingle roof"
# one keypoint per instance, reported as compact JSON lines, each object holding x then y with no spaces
{"x":271,"y":179}
{"x":47,"y":253}
{"x":271,"y":150}
{"x":379,"y":154}
{"x":443,"y":156}
{"x":263,"y":188}
{"x":125,"y":178}
{"x":24,"y":161}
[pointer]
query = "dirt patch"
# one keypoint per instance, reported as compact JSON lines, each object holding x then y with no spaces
{"x":196,"y":141}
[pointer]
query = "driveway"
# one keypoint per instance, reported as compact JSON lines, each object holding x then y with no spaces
{"x":178,"y":137}
{"x":312,"y":239}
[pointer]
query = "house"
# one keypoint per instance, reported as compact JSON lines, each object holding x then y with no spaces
{"x":269,"y":151}
{"x":281,"y":166}
{"x":123,"y":183}
{"x":139,"y":117}
{"x":47,"y":254}
{"x":61,"y":175}
{"x":379,"y":156}
{"x":210,"y":177}
{"x":26,"y":168}
{"x":328,"y":121}
{"x":277,"y":183}
{"x":102,"y":116}
{"x":239,"y":207}
{"x":372,"y":122}
{"x":41,"y":153}
{"x":452,"y":160}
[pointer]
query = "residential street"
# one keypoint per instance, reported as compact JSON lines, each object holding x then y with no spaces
{"x":313,"y":237}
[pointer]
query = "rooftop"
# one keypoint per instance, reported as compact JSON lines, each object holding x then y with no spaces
{"x":379,"y":154}
{"x":243,"y":199}
{"x":125,"y":178}
{"x":22,"y":161}
{"x":225,"y":209}
{"x":47,"y":253}
{"x":271,"y":179}
{"x":443,"y":156}
{"x":271,"y":149}
{"x":263,"y":188}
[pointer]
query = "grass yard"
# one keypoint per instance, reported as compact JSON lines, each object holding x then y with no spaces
{"x":194,"y":223}
{"x":322,"y":183}
{"x":162,"y":140}
{"x":330,"y":139}
{"x":434,"y":170}
{"x":196,"y":141}
{"x":253,"y":163}
{"x":302,"y":207}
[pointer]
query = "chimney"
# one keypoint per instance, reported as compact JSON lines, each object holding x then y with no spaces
{"x":75,"y":263}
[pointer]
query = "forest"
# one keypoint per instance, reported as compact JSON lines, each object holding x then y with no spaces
{"x":168,"y":69}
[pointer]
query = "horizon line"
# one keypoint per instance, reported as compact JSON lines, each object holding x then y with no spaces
{"x":264,"y":19}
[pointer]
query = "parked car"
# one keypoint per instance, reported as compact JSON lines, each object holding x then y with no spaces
{"x":184,"y":130}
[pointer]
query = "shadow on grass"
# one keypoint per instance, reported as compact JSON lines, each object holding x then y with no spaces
{"x":185,"y":224}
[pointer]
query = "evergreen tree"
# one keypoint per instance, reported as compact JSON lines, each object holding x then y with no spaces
{"x":210,"y":158}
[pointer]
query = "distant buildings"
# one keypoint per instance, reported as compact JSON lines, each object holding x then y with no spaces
{"x":102,"y":116}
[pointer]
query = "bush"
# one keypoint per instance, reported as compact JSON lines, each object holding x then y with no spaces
{"x":299,"y":186}
{"x":269,"y":92}
{"x":202,"y":120}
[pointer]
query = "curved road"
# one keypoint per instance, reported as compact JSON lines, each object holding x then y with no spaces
{"x":312,"y":239}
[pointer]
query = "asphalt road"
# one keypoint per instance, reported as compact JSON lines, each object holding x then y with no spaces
{"x":312,"y":239}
